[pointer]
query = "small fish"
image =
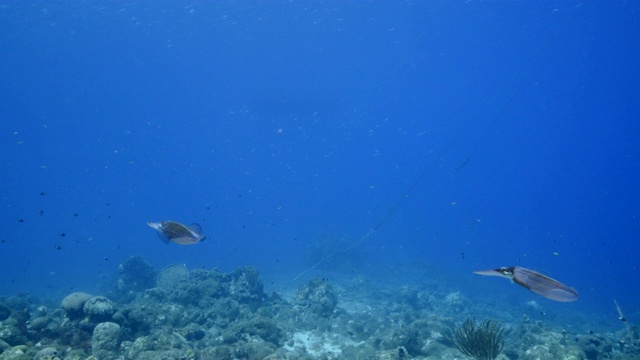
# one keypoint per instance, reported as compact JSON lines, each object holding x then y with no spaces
{"x":535,"y":282}
{"x":174,"y":232}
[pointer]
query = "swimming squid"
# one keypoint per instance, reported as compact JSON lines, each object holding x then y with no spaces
{"x":174,"y":232}
{"x":536,"y":282}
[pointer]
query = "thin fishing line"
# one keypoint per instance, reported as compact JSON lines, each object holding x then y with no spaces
{"x":532,"y":62}
{"x":544,"y":47}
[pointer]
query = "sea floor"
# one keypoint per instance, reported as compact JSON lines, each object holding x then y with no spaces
{"x":208,"y":314}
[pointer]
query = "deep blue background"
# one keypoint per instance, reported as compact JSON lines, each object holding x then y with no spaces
{"x":290,"y":129}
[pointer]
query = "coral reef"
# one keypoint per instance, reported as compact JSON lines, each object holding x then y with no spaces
{"x":316,"y":298}
{"x":99,"y":308}
{"x":209,"y":314}
{"x":73,"y":304}
{"x":48,"y":353}
{"x":135,"y":274}
{"x":105,"y":341}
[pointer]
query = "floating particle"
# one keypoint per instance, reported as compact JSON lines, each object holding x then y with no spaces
{"x":62,"y":234}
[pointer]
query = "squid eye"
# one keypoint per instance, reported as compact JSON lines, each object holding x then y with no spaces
{"x":508,"y":273}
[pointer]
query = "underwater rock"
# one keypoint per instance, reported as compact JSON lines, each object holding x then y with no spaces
{"x":202,"y":274}
{"x":18,"y":352}
{"x":135,"y":274}
{"x":320,"y":345}
{"x":3,"y":346}
{"x":215,"y":315}
{"x":38,"y":324}
{"x":139,"y":346}
{"x":206,"y":289}
{"x":185,"y":354}
{"x":48,"y":353}
{"x":362,"y":325}
{"x":118,"y":318}
{"x":218,"y":353}
{"x":407,"y":338}
{"x":418,"y":300}
{"x":139,"y":319}
{"x":105,"y":341}
{"x":454,"y":303}
{"x":317,"y":297}
{"x":170,"y":315}
{"x":76,"y":333}
{"x":5,"y":312}
{"x":74,"y":303}
{"x":631,"y":345}
{"x":267,"y":329}
{"x":538,"y":352}
{"x":76,"y":354}
{"x":147,"y":313}
{"x":11,"y":332}
{"x":162,"y":344}
{"x":595,"y":346}
{"x":245,"y":285}
{"x":358,"y":352}
{"x":550,"y":350}
{"x":395,"y":354}
{"x":255,"y":348}
{"x":99,"y":308}
{"x":15,"y":353}
{"x":195,"y":335}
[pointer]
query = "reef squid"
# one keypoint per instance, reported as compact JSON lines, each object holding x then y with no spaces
{"x":535,"y":282}
{"x":174,"y":232}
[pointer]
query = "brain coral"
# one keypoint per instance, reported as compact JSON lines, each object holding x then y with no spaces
{"x":73,"y":303}
{"x":99,"y":308}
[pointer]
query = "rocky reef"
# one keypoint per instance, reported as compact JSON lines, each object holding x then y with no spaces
{"x":209,"y":314}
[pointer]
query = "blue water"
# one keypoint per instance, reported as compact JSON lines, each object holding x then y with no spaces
{"x":469,"y":135}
